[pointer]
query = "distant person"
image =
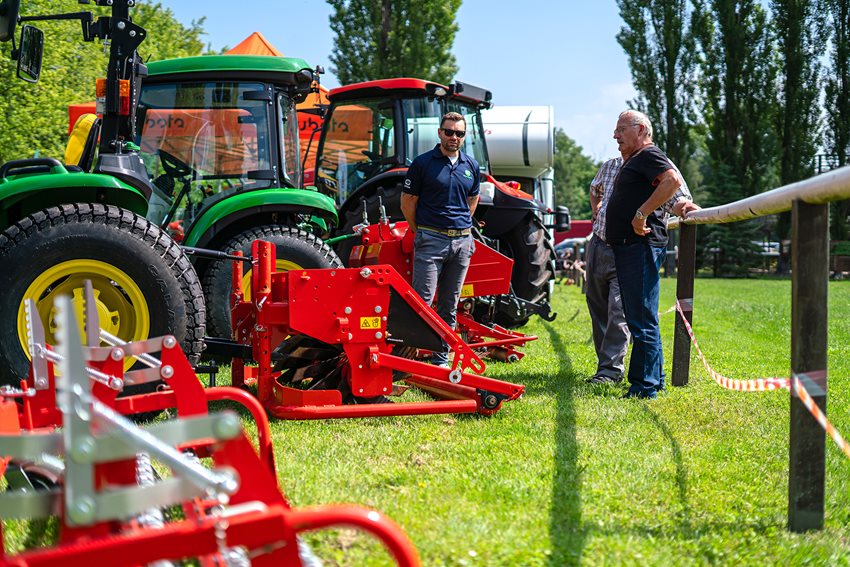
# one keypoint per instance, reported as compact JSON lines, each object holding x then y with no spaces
{"x":438,"y":200}
{"x":643,"y":195}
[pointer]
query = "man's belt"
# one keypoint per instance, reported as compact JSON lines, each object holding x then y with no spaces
{"x":450,"y":232}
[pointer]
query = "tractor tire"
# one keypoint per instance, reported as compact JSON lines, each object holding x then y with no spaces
{"x":296,"y":249}
{"x":144,"y":285}
{"x":534,"y":264}
{"x":391,"y":197}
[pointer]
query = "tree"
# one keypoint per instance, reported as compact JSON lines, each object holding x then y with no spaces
{"x":376,"y":39}
{"x":837,"y":102}
{"x":657,"y":39}
{"x":573,"y":173}
{"x":738,"y":72}
{"x":36,"y":117}
{"x":798,"y":26}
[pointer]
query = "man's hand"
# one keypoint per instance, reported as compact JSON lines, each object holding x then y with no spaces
{"x":682,"y":208}
{"x":639,"y":226}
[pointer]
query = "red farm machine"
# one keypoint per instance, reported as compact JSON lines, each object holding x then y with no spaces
{"x":67,"y":451}
{"x":371,"y":133}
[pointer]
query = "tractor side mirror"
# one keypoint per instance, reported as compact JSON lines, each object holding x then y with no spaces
{"x":8,"y":18}
{"x":562,"y":218}
{"x":30,"y":53}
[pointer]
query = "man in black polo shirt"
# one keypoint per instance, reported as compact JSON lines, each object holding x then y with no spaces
{"x":438,"y":199}
{"x":636,"y":229}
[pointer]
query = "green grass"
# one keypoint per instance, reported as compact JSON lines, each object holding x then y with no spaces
{"x":573,"y":474}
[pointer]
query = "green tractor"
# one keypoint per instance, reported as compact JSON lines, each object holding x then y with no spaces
{"x":64,"y":224}
{"x":218,"y":135}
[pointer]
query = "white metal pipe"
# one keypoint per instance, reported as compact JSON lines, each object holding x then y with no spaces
{"x":830,"y":186}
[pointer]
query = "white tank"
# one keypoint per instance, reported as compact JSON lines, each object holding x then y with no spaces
{"x":520,"y":140}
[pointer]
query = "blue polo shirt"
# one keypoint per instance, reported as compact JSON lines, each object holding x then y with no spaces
{"x":443,"y":188}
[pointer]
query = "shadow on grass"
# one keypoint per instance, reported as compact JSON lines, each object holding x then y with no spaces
{"x":681,"y":472}
{"x":565,"y":526}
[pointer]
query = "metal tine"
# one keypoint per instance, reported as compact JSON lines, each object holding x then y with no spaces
{"x":37,"y":344}
{"x":92,"y":320}
{"x":80,"y":407}
{"x":143,"y":357}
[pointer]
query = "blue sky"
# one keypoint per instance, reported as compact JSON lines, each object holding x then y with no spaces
{"x":528,"y":52}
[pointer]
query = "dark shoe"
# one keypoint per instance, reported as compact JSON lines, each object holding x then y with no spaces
{"x":603,"y":379}
{"x":641,"y":395}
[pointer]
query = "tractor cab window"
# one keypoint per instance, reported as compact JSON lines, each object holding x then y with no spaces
{"x":422,"y":116}
{"x":291,"y":154}
{"x":200,"y":140}
{"x":360,"y":142}
{"x":473,"y":142}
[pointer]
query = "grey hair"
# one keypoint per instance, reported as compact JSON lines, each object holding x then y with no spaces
{"x":639,"y":118}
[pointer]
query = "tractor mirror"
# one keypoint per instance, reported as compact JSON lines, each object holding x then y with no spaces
{"x":562,"y":218}
{"x":29,"y":56}
{"x":8,"y":18}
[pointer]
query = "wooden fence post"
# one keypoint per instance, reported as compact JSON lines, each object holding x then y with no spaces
{"x":809,"y":279}
{"x":685,"y":295}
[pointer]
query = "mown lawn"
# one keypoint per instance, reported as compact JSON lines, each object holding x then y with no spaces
{"x":573,"y":474}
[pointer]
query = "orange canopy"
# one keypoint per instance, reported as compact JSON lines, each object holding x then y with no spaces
{"x":255,"y":44}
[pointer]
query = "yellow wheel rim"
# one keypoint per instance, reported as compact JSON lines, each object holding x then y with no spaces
{"x":121,"y":305}
{"x":280,"y":265}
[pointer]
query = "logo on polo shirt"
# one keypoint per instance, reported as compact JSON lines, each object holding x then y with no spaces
{"x":407,"y":182}
{"x":467,"y":174}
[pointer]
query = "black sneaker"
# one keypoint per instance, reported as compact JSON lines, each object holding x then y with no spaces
{"x":603,"y":379}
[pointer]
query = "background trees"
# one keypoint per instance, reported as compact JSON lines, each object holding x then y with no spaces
{"x":376,"y":39}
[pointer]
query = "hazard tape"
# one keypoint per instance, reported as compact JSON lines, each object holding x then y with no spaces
{"x":767,"y":385}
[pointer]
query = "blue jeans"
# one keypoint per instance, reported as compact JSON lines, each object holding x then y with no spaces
{"x":637,"y":269}
{"x":441,"y":262}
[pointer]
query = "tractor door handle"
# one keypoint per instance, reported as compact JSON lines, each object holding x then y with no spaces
{"x":33,"y":165}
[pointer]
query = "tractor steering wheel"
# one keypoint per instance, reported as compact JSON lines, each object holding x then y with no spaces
{"x":174,"y":166}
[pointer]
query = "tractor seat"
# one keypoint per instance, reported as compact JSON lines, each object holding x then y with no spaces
{"x":83,"y":141}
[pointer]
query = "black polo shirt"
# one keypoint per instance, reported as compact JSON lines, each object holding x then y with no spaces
{"x":634,"y":184}
{"x":443,"y":188}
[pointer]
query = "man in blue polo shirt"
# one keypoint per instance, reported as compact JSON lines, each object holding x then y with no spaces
{"x":438,"y":199}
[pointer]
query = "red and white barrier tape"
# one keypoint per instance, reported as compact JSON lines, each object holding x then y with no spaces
{"x":766,"y":385}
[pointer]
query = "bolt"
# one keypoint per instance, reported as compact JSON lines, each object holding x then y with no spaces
{"x":82,"y":512}
{"x":379,"y":335}
{"x":513,"y":358}
{"x":365,"y":272}
{"x":384,"y":318}
{"x":169,"y":342}
{"x":83,"y":451}
{"x":359,"y":366}
{"x":333,"y":273}
{"x":378,"y":309}
{"x":41,"y":383}
{"x":227,"y":426}
{"x":350,"y":336}
{"x":454,"y":376}
{"x":117,"y":354}
{"x":348,"y":310}
{"x":361,"y":390}
{"x":167,"y":371}
{"x":121,"y":25}
{"x":132,"y":33}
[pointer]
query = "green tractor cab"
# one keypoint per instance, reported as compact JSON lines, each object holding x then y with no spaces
{"x":219,"y":137}
{"x":63,"y":225}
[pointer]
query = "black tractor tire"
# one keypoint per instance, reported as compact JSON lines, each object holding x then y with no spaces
{"x":107,"y":244}
{"x":391,"y":198}
{"x":528,"y":244}
{"x":293,"y":245}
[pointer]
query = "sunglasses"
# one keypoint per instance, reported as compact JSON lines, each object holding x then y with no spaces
{"x":449,"y":132}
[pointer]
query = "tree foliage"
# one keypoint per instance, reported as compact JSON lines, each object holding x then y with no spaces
{"x":837,"y":99}
{"x":36,"y":116}
{"x":573,"y":173}
{"x":657,"y":39}
{"x":377,"y":39}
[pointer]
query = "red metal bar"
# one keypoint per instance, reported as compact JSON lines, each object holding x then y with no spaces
{"x":373,"y":410}
{"x":264,"y":432}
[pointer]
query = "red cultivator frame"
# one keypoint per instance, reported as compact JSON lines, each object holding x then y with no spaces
{"x":108,"y":499}
{"x":343,"y":333}
{"x":489,"y":275}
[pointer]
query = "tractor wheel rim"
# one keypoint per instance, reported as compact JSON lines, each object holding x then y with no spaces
{"x":280,"y":266}
{"x":120,"y":303}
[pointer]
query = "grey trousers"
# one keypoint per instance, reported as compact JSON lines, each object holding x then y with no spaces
{"x":610,"y":332}
{"x":440,"y":263}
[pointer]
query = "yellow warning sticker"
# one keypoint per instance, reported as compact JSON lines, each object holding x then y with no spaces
{"x":370,"y":322}
{"x":467,"y":291}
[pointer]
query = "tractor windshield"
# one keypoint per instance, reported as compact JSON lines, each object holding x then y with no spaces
{"x":201,"y":139}
{"x":359,"y":143}
{"x":422,"y":117}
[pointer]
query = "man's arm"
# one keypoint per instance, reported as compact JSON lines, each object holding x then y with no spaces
{"x":408,"y":209}
{"x":668,"y":183}
{"x":473,"y":203}
{"x":595,"y":201}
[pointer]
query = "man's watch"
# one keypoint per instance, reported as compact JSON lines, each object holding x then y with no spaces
{"x":639,"y":215}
